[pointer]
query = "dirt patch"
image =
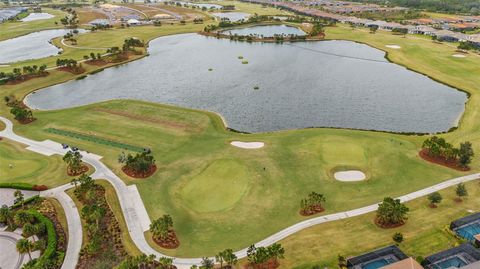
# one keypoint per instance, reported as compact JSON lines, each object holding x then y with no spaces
{"x":442,"y":161}
{"x":82,"y":170}
{"x":388,"y":225}
{"x":270,"y":264}
{"x":165,"y":123}
{"x":26,"y":121}
{"x":311,"y":211}
{"x":75,"y":71}
{"x":458,"y":200}
{"x":135,"y":174}
{"x":432,"y":205}
{"x":24,"y":78}
{"x":97,"y":62}
{"x":170,"y":242}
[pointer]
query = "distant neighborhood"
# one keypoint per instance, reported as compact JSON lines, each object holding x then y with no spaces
{"x":443,"y":29}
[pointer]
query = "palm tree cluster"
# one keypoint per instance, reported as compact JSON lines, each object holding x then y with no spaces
{"x":71,"y":20}
{"x":312,"y":204}
{"x":146,"y":262}
{"x":70,"y":63}
{"x":161,"y":227}
{"x":30,"y":226}
{"x":438,"y":147}
{"x":23,"y":73}
{"x":131,"y":43}
{"x":74,"y":162}
{"x":21,"y":113}
{"x":228,"y":257}
{"x":265,"y":257}
{"x":140,"y":163}
{"x":391,"y":212}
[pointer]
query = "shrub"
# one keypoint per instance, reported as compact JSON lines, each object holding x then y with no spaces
{"x":17,"y":185}
{"x":50,"y":251}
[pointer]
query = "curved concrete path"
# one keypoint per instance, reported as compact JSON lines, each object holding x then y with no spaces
{"x":136,"y":215}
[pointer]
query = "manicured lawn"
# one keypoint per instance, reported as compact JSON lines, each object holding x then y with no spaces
{"x":192,"y":151}
{"x":225,"y":182}
{"x":424,"y":234}
{"x":30,"y":167}
{"x":254,"y":9}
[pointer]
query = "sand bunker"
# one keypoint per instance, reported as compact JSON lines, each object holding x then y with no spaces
{"x":247,"y":145}
{"x":459,"y":56}
{"x":393,"y":46}
{"x":350,"y":175}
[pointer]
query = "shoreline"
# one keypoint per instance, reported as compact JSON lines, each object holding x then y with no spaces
{"x":455,"y":126}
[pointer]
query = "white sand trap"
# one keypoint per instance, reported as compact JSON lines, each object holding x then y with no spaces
{"x":350,"y":175}
{"x":393,"y":46}
{"x":459,"y":56}
{"x":247,"y":145}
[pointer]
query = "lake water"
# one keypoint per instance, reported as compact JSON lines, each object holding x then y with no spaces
{"x":201,"y":5}
{"x":32,"y":46}
{"x":37,"y":16}
{"x":266,"y":31}
{"x":300,"y":85}
{"x":232,"y":16}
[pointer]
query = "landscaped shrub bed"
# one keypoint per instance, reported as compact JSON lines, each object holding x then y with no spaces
{"x":18,"y":186}
{"x":94,"y":139}
{"x":31,"y":216}
{"x":104,"y":248}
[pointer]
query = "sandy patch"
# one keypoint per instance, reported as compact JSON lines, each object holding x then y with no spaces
{"x":4,"y":65}
{"x":247,"y":145}
{"x":350,"y":175}
{"x":393,"y":47}
{"x":459,"y":56}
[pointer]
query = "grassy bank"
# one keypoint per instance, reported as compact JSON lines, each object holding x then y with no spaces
{"x":424,"y":234}
{"x":192,"y":149}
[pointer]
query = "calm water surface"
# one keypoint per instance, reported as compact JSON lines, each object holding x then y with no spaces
{"x":300,"y":85}
{"x":266,"y":30}
{"x":32,"y":46}
{"x":37,"y":16}
{"x":232,"y":16}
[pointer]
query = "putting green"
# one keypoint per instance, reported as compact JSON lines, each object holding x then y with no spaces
{"x":217,"y":188}
{"x":20,"y":165}
{"x":343,"y":152}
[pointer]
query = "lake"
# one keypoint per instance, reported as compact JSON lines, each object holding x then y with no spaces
{"x":310,"y":84}
{"x":32,"y":46}
{"x":232,"y":16}
{"x":37,"y":16}
{"x":266,"y":31}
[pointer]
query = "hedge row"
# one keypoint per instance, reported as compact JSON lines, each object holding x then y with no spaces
{"x":26,"y":201}
{"x":95,"y":139}
{"x":19,"y":186}
{"x":51,"y":249}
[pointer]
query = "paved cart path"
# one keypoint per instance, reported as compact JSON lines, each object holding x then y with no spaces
{"x":136,"y":215}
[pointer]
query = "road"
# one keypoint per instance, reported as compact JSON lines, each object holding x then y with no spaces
{"x":136,"y":215}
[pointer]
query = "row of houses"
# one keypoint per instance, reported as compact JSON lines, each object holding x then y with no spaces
{"x":441,"y":34}
{"x":422,"y":29}
{"x":465,"y":256}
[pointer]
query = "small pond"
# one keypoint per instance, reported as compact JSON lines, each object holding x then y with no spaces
{"x":266,"y":31}
{"x":232,"y":16}
{"x":261,"y":87}
{"x":37,"y":16}
{"x":32,"y":46}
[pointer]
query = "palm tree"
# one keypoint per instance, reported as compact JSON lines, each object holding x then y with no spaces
{"x":220,"y":258}
{"x":230,"y":257}
{"x":6,"y":215}
{"x":22,"y":217}
{"x":29,"y":230}
{"x":25,"y":246}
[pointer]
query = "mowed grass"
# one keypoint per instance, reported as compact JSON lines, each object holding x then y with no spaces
{"x":13,"y":29}
{"x":425,"y":233}
{"x":196,"y":162}
{"x":30,"y":167}
{"x":225,"y":182}
{"x":292,"y":164}
{"x":253,"y":8}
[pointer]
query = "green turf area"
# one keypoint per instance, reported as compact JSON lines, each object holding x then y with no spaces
{"x":13,"y":29}
{"x":225,"y":182}
{"x":30,"y":167}
{"x":425,"y":233}
{"x":253,"y":9}
{"x":192,"y":147}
